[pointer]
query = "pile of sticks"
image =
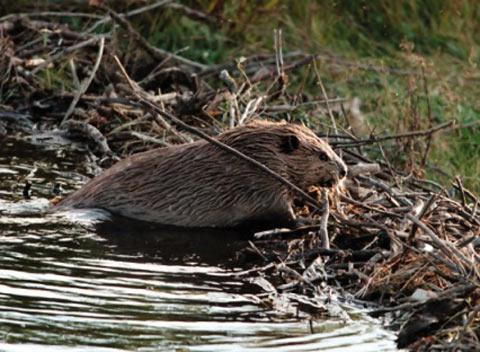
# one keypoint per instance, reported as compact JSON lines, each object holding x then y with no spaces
{"x":400,"y":244}
{"x":397,"y":240}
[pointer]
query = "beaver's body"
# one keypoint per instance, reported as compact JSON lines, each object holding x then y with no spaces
{"x":200,"y":185}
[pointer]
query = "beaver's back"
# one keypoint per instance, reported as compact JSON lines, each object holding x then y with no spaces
{"x":196,"y":185}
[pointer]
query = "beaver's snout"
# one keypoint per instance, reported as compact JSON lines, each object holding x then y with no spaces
{"x":341,"y":169}
{"x":338,"y":173}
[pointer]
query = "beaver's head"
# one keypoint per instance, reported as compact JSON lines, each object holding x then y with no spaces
{"x":292,"y":150}
{"x":309,"y":159}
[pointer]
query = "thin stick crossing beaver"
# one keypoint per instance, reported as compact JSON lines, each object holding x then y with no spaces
{"x":200,"y":185}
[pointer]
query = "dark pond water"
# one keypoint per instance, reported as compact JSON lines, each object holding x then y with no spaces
{"x":69,"y":285}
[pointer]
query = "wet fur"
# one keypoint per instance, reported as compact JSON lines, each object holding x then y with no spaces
{"x":200,"y":185}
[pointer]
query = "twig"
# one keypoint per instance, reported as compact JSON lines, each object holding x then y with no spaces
{"x":86,"y":83}
{"x":325,"y":96}
{"x":281,"y":77}
{"x":192,"y":13}
{"x":388,"y":189}
{"x":253,"y":63}
{"x":323,"y":228}
{"x":313,"y":104}
{"x":363,"y":169}
{"x":155,"y":52}
{"x":422,"y":212}
{"x":106,"y":19}
{"x":459,"y":186}
{"x":256,"y":250}
{"x":471,"y":318}
{"x":448,"y":250}
{"x":472,"y":197}
{"x":88,"y":42}
{"x":410,"y":134}
{"x":365,"y":206}
{"x":430,"y":118}
{"x":336,"y":61}
{"x":149,"y":139}
{"x":49,"y":14}
{"x":291,"y":67}
{"x":229,"y":81}
{"x":279,"y":233}
{"x":73,"y":70}
{"x":168,"y":127}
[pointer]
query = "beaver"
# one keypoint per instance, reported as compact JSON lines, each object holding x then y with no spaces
{"x":200,"y":185}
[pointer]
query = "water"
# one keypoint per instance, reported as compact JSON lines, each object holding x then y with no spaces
{"x":120,"y":286}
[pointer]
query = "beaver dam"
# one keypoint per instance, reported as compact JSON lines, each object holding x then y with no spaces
{"x":403,"y":247}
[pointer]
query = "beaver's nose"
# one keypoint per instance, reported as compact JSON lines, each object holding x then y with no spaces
{"x":343,"y":171}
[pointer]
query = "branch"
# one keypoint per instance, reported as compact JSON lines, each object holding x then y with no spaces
{"x":85,"y":43}
{"x":85,"y":84}
{"x":156,"y":53}
{"x":139,"y":10}
{"x":412,"y":134}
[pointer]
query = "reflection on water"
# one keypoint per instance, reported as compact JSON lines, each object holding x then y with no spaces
{"x":123,"y":286}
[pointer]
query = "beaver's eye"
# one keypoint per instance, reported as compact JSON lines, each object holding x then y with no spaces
{"x":323,"y":156}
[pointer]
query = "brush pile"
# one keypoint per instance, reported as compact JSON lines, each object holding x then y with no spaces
{"x":407,"y":245}
{"x":396,"y":240}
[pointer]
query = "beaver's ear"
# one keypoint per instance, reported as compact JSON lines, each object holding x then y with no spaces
{"x":289,"y":143}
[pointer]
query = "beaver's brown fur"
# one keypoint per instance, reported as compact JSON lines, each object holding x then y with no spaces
{"x":200,"y":185}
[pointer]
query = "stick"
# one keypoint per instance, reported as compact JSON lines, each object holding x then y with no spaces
{"x":192,"y":13}
{"x":430,"y":118}
{"x":70,"y":49}
{"x":363,"y":169}
{"x":156,"y":53}
{"x":422,"y":212}
{"x":325,"y":96}
{"x":447,"y":250}
{"x":323,"y":230}
{"x":85,"y":84}
{"x":137,"y":11}
{"x":279,"y":61}
{"x":346,"y":198}
{"x":149,"y":139}
{"x":410,"y":134}
{"x":49,"y":14}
